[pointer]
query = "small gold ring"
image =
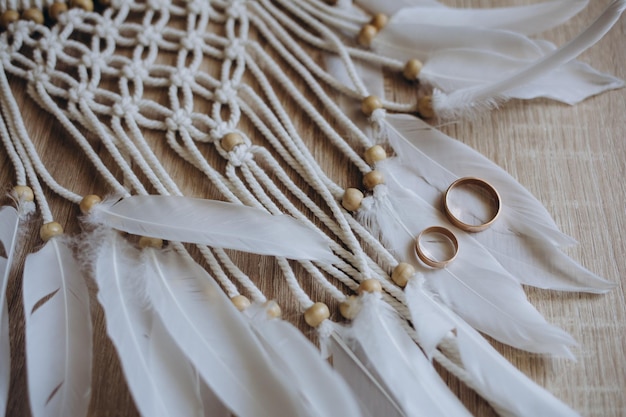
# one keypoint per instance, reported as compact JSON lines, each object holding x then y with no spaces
{"x":485,"y":186}
{"x":433,"y":263}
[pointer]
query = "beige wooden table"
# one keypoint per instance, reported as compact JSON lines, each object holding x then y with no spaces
{"x":572,"y":158}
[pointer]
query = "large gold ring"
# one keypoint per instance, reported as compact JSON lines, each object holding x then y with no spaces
{"x":433,"y":263}
{"x":485,"y":186}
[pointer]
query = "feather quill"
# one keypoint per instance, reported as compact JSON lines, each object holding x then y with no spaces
{"x":377,"y":334}
{"x":491,"y":375}
{"x":9,"y":222}
{"x":524,"y":239}
{"x":466,"y":101}
{"x":322,"y":389}
{"x":474,"y":285}
{"x":214,"y":223}
{"x":58,"y":333}
{"x":159,"y":377}
{"x":527,"y":19}
{"x":215,"y":338}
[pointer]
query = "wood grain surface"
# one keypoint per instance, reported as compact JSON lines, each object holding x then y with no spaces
{"x":573,"y":159}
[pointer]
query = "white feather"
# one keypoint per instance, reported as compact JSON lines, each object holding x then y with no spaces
{"x":9,"y":222}
{"x":527,"y":19}
{"x":215,"y":338}
{"x":213,"y":407}
{"x":474,"y":285}
{"x":523,"y":238}
{"x":389,"y":7}
{"x":214,"y":223}
{"x":159,"y":377}
{"x":377,"y":334}
{"x":58,"y":333}
{"x":492,"y":376}
{"x":465,"y":101}
{"x":450,"y":70}
{"x":322,"y":389}
{"x":374,"y":397}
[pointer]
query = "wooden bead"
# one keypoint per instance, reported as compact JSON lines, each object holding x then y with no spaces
{"x":241,"y":302}
{"x":370,"y":104}
{"x":374,"y":154}
{"x":87,"y":203}
{"x":412,"y":69}
{"x":349,"y":308}
{"x":86,"y":5}
{"x":24,"y":193}
{"x":34,"y":15}
{"x":50,"y":230}
{"x":352,"y":198}
{"x":372,"y":179}
{"x":379,"y":20}
{"x":366,"y":35}
{"x":316,"y":314}
{"x":150,"y":242}
{"x":230,"y":140}
{"x":9,"y":17}
{"x":273,"y":309}
{"x":56,"y":10}
{"x":370,"y":285}
{"x":425,"y":107}
{"x":402,"y":273}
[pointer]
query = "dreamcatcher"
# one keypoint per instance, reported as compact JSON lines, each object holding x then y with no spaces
{"x":430,"y":249}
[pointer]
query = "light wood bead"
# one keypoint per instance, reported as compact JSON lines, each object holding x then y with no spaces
{"x":366,"y":35}
{"x":370,"y":285}
{"x":370,"y":104}
{"x":402,"y":273}
{"x":412,"y":69}
{"x":87,"y":203}
{"x":379,"y":20}
{"x":86,"y":5}
{"x":349,"y":308}
{"x":372,"y":179}
{"x":9,"y":17}
{"x":352,"y":199}
{"x":50,"y":230}
{"x":230,"y":140}
{"x":425,"y":107}
{"x":150,"y":242}
{"x":316,"y":314}
{"x":273,"y":309}
{"x":374,"y":154}
{"x":241,"y":302}
{"x":56,"y":10}
{"x":34,"y":15}
{"x":24,"y":193}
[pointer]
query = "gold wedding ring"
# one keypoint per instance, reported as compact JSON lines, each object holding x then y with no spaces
{"x":433,"y":263}
{"x":483,"y":185}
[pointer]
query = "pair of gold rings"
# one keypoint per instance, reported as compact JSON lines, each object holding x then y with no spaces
{"x":446,"y":233}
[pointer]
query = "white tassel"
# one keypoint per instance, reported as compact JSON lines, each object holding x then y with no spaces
{"x":214,"y":223}
{"x":523,"y":239}
{"x":9,"y":222}
{"x":215,"y":338}
{"x":158,"y":375}
{"x":464,"y":102}
{"x":376,"y":333}
{"x":58,"y":333}
{"x":322,"y":389}
{"x":491,"y":375}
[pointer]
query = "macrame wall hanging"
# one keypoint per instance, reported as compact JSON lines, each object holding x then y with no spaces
{"x":216,"y":135}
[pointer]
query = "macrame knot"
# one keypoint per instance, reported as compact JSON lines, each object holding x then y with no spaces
{"x":380,"y":192}
{"x":181,"y":77}
{"x":106,"y":29}
{"x":234,"y":50}
{"x":240,"y":155}
{"x":226,"y":93}
{"x":51,"y":44}
{"x":80,"y":92}
{"x":38,"y":75}
{"x":126,"y":107}
{"x":135,"y":70}
{"x":192,"y":41}
{"x":220,"y":130}
{"x":93,"y":60}
{"x":324,"y":331}
{"x":158,"y":4}
{"x":149,"y":36}
{"x":196,"y":6}
{"x":378,"y":121}
{"x":367,"y":204}
{"x":179,"y":120}
{"x":236,"y":10}
{"x":73,"y":17}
